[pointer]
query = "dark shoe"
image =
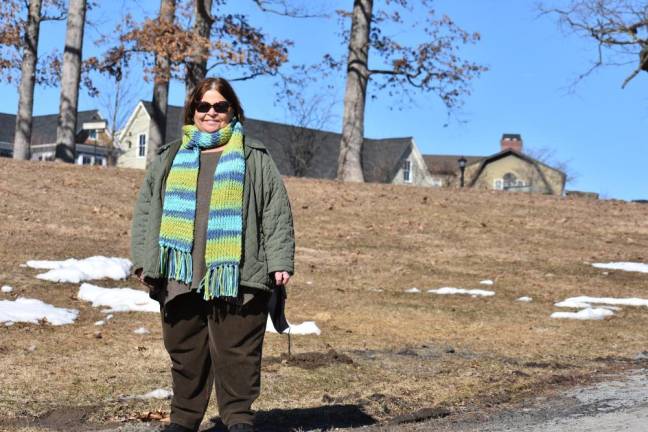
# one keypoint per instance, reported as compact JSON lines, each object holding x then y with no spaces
{"x":241,"y":427}
{"x":175,"y":427}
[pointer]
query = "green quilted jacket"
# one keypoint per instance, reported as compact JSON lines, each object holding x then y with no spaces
{"x":268,"y":235}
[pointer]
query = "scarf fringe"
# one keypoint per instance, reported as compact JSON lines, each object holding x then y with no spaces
{"x":220,"y":281}
{"x":176,"y":264}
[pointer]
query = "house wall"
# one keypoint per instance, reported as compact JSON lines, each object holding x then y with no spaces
{"x":419,"y":174}
{"x":523,"y":170}
{"x":129,"y":139}
{"x":555,"y":178}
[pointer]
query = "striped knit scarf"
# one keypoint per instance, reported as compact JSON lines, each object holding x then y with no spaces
{"x":224,"y":228}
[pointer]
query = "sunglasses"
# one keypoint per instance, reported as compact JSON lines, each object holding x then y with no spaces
{"x":219,"y":107}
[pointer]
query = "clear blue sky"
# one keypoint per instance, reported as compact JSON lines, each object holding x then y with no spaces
{"x":599,"y":129}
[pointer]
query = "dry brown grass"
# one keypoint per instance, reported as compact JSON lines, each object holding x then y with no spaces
{"x":409,"y":350}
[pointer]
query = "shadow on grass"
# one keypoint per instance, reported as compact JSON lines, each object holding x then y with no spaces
{"x":319,"y":418}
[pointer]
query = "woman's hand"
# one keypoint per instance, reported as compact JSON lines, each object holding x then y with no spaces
{"x":281,"y":278}
{"x":140,"y":275}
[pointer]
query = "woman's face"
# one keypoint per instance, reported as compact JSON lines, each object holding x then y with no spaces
{"x":211,"y":121}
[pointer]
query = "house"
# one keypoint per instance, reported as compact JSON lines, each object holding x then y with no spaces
{"x":91,"y":136}
{"x":514,"y":171}
{"x":510,"y":169}
{"x":444,"y":169}
{"x":297,"y":151}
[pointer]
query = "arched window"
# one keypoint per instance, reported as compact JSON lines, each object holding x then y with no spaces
{"x":510,"y":180}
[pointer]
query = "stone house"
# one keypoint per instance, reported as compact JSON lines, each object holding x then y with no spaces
{"x":297,"y":151}
{"x":510,"y":169}
{"x":91,"y":137}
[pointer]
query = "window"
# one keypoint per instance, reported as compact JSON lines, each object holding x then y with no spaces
{"x":86,"y":160}
{"x":48,"y":156}
{"x":92,"y":134}
{"x":509,"y":180}
{"x":98,"y":160}
{"x":141,"y":151}
{"x":407,"y":171}
{"x":498,"y":184}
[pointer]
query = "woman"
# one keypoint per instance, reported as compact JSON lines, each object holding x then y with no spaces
{"x":213,"y":237}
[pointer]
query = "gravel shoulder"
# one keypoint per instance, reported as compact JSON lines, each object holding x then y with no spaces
{"x":618,"y":403}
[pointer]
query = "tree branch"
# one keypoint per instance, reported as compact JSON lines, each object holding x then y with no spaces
{"x":263,"y":5}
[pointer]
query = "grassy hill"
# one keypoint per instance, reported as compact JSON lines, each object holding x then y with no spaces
{"x":359,"y":247}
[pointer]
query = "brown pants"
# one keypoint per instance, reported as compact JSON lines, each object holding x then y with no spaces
{"x":214,"y":344}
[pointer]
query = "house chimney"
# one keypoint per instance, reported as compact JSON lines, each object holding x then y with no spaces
{"x":511,"y":141}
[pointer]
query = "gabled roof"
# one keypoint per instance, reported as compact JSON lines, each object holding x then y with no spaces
{"x":381,"y":158}
{"x":447,"y":164}
{"x":508,"y":152}
{"x":43,"y":126}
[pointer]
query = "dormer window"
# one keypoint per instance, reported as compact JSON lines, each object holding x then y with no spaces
{"x":407,"y":171}
{"x":141,"y":149}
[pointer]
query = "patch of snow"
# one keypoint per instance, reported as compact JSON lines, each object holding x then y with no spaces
{"x":6,"y":289}
{"x":487,"y":282}
{"x":9,"y":323}
{"x":413,"y":290}
{"x":33,"y":310}
{"x":524,"y":299}
{"x":158,"y":394}
{"x":100,"y":323}
{"x":305,"y":328}
{"x":141,"y":331}
{"x":587,"y":302}
{"x":109,"y":317}
{"x":155,"y":394}
{"x":75,"y":271}
{"x":118,"y":299}
{"x":625,"y":266}
{"x":584,"y":314}
{"x":462,"y":291}
{"x":309,"y":282}
{"x":375,"y":290}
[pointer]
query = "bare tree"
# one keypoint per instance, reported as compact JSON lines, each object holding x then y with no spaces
{"x":355,"y":95}
{"x":160,"y":86}
{"x":19,"y":33}
{"x":197,"y":63}
{"x":548,"y":157}
{"x":618,"y":27}
{"x":235,"y":45}
{"x":22,"y":137}
{"x":308,"y":116}
{"x":432,"y":66}
{"x":70,"y":80}
{"x":118,"y":99}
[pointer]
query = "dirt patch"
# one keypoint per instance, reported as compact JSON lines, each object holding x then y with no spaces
{"x":309,"y":360}
{"x":421,"y":415}
{"x":57,"y":419}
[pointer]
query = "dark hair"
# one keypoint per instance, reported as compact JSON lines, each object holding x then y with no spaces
{"x":221,"y":86}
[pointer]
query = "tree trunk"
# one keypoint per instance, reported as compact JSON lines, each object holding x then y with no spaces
{"x":157,"y":136}
{"x":197,"y":64}
{"x":66,"y":130}
{"x":111,"y":151}
{"x":349,"y":161}
{"x":22,"y":136}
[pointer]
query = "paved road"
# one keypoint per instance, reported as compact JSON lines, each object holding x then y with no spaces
{"x":619,"y":404}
